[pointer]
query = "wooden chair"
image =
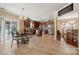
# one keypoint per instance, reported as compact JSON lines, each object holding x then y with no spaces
{"x":15,"y":38}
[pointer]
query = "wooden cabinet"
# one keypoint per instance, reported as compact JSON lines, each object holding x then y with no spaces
{"x":36,"y":24}
{"x":72,"y":38}
{"x":24,"y":24}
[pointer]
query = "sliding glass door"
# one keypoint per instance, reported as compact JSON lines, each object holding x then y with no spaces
{"x":9,"y":27}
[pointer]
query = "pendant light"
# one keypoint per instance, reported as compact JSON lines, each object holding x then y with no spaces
{"x":22,"y":17}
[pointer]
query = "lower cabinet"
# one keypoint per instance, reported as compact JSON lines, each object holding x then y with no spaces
{"x":72,"y":38}
{"x":72,"y":42}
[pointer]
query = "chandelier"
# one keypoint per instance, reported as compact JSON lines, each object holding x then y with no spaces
{"x":22,"y":17}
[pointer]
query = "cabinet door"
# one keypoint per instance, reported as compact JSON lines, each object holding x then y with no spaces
{"x":72,"y":39}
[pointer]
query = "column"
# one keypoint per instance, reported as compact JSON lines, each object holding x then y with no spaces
{"x":55,"y":25}
{"x":2,"y":29}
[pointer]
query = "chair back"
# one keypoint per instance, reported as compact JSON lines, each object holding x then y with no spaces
{"x":14,"y":34}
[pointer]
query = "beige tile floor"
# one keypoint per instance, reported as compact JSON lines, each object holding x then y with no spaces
{"x":45,"y":45}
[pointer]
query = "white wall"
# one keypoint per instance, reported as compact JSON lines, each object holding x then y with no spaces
{"x":76,"y":6}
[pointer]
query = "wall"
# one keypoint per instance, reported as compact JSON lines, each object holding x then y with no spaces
{"x":8,"y":16}
{"x":76,"y":6}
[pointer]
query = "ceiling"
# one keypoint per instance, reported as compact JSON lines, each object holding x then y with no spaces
{"x":36,"y":11}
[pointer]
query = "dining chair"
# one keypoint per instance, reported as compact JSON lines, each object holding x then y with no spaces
{"x":15,"y":38}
